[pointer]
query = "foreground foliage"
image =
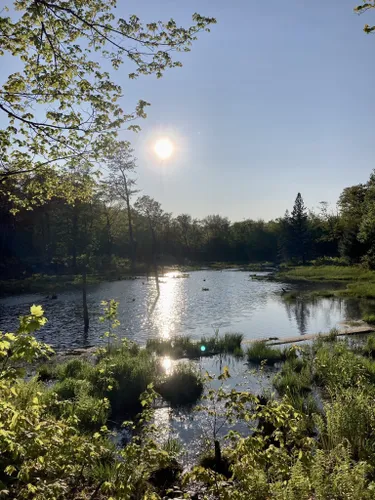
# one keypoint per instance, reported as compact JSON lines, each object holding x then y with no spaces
{"x":315,"y":440}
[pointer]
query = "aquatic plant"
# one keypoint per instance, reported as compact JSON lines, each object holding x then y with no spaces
{"x":260,"y":352}
{"x":183,"y":387}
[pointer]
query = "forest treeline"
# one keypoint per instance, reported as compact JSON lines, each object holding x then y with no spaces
{"x":114,"y":229}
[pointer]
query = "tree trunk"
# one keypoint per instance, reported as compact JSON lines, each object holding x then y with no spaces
{"x":217,"y":455}
{"x":109,"y":236}
{"x":86,"y":321}
{"x":74,"y":237}
{"x":130,"y":225}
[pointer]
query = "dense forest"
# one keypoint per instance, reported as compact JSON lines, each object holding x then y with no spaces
{"x":115,"y":230}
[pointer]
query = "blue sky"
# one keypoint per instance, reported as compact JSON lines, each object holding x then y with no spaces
{"x":276,"y":99}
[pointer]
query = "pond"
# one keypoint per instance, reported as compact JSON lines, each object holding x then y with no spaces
{"x":233,"y":302}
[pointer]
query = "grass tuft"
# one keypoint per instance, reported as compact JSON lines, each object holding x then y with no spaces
{"x":260,"y":352}
{"x":369,"y":318}
{"x":183,"y":387}
{"x":185,"y":347}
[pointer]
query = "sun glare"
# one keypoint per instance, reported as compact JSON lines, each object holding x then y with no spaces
{"x":163,"y":148}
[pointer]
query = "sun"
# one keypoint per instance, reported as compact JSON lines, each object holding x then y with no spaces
{"x":164,"y":148}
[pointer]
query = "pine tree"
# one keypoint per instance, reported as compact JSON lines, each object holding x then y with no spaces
{"x":299,"y":229}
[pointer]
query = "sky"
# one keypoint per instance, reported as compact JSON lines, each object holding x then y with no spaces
{"x":276,"y":100}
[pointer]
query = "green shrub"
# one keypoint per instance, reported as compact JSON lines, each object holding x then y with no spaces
{"x":335,"y":365}
{"x":183,"y":387}
{"x":260,"y":352}
{"x":350,"y":418}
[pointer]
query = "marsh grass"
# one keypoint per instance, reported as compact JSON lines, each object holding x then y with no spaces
{"x":259,"y":352}
{"x":294,"y":379}
{"x":185,"y":347}
{"x":360,"y":282}
{"x":369,"y":318}
{"x":327,"y":273}
{"x":183,"y":387}
{"x":369,"y":347}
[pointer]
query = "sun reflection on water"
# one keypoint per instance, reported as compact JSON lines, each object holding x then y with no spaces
{"x":167,"y":365}
{"x":168,"y":307}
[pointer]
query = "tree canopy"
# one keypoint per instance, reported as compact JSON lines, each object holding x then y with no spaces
{"x":63,"y":105}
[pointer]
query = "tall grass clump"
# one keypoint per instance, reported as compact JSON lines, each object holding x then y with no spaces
{"x":184,"y":347}
{"x":122,"y":379}
{"x":369,"y":318}
{"x":294,"y":378}
{"x":183,"y":387}
{"x":176,"y":347}
{"x":260,"y":352}
{"x":369,"y":347}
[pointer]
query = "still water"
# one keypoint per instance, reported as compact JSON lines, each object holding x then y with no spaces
{"x":234,"y":302}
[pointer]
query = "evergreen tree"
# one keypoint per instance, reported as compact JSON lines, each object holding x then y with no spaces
{"x":299,"y":230}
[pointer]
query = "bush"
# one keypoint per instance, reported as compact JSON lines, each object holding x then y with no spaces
{"x":335,"y":365}
{"x":350,"y":418}
{"x":183,"y":387}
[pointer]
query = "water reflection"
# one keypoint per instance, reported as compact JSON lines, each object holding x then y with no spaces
{"x":237,"y":304}
{"x":166,"y":311}
{"x":167,"y":365}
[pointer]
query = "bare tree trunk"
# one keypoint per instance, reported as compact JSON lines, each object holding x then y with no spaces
{"x":109,"y":236}
{"x":217,"y":455}
{"x":130,"y":225}
{"x":74,"y":237}
{"x":86,"y":321}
